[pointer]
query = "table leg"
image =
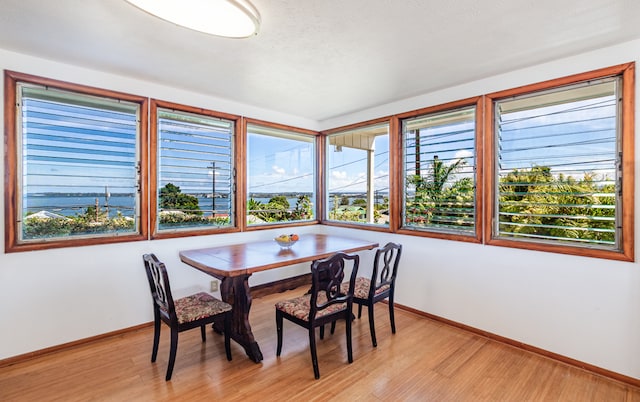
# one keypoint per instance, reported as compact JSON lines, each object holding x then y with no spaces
{"x":235,"y":291}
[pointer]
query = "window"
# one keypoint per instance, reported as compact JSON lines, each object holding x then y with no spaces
{"x":77,"y":174}
{"x":281,"y":178}
{"x":439,"y":171}
{"x":194,"y":172}
{"x":358,"y":175}
{"x":562,"y":156}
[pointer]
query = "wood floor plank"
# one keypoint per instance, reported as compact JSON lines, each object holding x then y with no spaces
{"x":425,"y":361}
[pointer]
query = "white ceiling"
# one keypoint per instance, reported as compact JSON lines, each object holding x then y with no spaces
{"x":319,"y":59}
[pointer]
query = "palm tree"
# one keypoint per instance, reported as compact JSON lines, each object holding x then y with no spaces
{"x":438,"y":199}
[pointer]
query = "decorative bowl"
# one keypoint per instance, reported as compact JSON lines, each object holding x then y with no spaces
{"x":285,"y":244}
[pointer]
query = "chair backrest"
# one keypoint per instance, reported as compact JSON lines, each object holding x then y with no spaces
{"x":385,"y":267}
{"x":160,"y":288}
{"x":326,"y":277}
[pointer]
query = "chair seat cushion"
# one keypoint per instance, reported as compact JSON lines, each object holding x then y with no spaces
{"x":361,"y":290}
{"x":198,"y":306}
{"x":299,"y":307}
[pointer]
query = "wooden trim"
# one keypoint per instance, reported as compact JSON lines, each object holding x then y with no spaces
{"x":281,"y":285}
{"x":324,"y":219}
{"x":295,"y":130}
{"x":396,"y":174}
{"x":477,"y":236}
{"x":144,"y":168}
{"x":628,"y":162}
{"x":11,"y":80}
{"x":479,"y":156}
{"x":279,"y":126}
{"x":358,"y":225}
{"x":349,"y":127}
{"x":440,"y":108}
{"x":73,"y":87}
{"x":528,"y":348}
{"x":241,"y":175}
{"x":10,"y":162}
{"x":153,"y":168}
{"x":488,"y":169}
{"x":69,"y":345}
{"x":283,"y":224}
{"x":562,"y":81}
{"x":153,"y":181}
{"x":321,"y":184}
{"x":626,"y":252}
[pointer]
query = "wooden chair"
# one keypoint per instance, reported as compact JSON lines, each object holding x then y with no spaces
{"x":325,"y":303}
{"x":380,"y":286}
{"x":182,"y":314}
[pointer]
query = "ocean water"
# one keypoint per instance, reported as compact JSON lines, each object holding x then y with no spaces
{"x":72,"y":205}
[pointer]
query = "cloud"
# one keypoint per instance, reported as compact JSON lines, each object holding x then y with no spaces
{"x":339,"y":175}
{"x":463,"y":153}
{"x":278,"y":170}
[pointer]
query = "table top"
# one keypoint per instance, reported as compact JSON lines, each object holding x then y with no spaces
{"x":247,"y":258}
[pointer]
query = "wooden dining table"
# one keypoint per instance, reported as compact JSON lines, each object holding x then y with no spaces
{"x":234,"y":264}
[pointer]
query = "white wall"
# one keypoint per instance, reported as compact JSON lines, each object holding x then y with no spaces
{"x":587,"y":309}
{"x":52,"y":297}
{"x":583,"y":308}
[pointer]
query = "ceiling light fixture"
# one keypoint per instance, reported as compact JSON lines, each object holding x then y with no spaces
{"x":228,"y":18}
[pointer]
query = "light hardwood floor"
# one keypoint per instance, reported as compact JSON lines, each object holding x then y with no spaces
{"x":425,"y":361}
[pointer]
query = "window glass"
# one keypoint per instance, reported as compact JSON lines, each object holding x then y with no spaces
{"x":195,"y":171}
{"x":358,"y":175}
{"x":78,"y":165}
{"x":439,"y":171}
{"x":280,"y":175}
{"x":557,"y":165}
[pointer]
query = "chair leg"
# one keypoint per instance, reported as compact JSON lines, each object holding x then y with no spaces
{"x":349,"y":346}
{"x":372,"y":326}
{"x":359,"y":310}
{"x":322,"y":332}
{"x":333,"y":327}
{"x":156,"y":339}
{"x":279,"y":331}
{"x":227,"y":334}
{"x":392,"y":316}
{"x":172,"y":353}
{"x":203,"y":333}
{"x":314,"y":354}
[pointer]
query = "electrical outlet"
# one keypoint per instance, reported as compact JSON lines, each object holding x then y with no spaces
{"x":214,"y":286}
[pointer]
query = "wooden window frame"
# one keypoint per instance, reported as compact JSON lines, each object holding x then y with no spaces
{"x":392,"y":122}
{"x":476,"y":237}
{"x":156,"y":104}
{"x":12,"y":181}
{"x":626,"y":135}
{"x":243,"y":179}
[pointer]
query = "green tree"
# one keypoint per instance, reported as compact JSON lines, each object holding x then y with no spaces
{"x":439,"y":200}
{"x":534,"y":202}
{"x":172,"y":198}
{"x":303,"y":209}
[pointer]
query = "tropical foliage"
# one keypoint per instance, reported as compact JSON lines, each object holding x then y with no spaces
{"x":439,"y":199}
{"x":92,"y":221}
{"x":178,"y":209}
{"x":356,"y":210}
{"x":172,"y":198}
{"x":277,"y":209}
{"x":533,"y":203}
